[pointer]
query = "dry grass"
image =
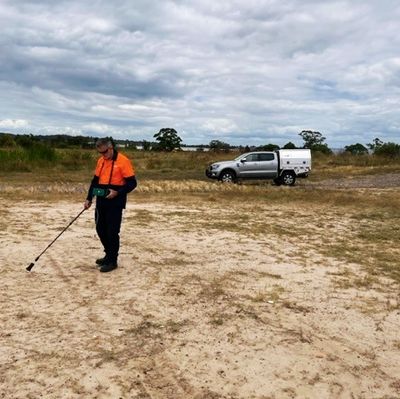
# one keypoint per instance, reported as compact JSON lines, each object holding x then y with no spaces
{"x":367,"y":234}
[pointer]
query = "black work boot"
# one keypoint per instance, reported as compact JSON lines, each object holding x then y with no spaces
{"x":108,"y":267}
{"x":101,"y":261}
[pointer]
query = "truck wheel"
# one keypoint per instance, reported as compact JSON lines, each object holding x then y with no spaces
{"x":227,"y":176}
{"x":288,"y":178}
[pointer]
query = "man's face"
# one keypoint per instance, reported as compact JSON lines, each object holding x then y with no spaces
{"x":105,"y":151}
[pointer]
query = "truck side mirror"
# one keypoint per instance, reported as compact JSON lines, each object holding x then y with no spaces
{"x":243,"y":160}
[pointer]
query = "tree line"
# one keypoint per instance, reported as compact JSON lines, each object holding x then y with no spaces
{"x":167,"y":139}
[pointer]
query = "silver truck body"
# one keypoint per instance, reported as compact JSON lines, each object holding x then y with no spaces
{"x":282,"y":166}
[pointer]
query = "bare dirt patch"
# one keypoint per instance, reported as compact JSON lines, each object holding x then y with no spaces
{"x":209,"y":301}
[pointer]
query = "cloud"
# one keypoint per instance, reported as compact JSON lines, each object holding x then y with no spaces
{"x":250,"y":72}
{"x":13,"y":124}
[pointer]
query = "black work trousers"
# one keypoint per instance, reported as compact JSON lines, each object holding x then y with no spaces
{"x":108,"y":217}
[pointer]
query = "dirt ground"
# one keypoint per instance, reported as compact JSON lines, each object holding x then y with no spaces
{"x":197,"y":308}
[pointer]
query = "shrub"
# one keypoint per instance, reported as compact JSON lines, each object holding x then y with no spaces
{"x":6,"y":140}
{"x":322,"y":148}
{"x":391,"y":150}
{"x":219,"y":146}
{"x":25,"y":140}
{"x":26,"y":158}
{"x":40,"y":152}
{"x":356,"y":149}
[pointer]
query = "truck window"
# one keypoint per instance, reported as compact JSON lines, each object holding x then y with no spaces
{"x":251,"y":158}
{"x":266,"y":157}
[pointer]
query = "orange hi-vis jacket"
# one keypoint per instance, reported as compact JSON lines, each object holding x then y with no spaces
{"x":118,"y":174}
{"x":117,"y":169}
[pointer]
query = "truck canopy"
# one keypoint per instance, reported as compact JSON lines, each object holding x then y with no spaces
{"x":298,"y":160}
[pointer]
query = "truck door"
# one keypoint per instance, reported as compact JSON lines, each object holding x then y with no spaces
{"x":268,"y":165}
{"x":248,"y":166}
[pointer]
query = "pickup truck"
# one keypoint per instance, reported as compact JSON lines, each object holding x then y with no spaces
{"x":282,"y":166}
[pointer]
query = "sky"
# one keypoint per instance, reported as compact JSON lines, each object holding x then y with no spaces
{"x":243,"y":72}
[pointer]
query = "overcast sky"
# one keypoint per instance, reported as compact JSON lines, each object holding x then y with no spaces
{"x":244,"y":72}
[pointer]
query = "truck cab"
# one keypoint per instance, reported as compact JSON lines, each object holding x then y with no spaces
{"x":257,"y":165}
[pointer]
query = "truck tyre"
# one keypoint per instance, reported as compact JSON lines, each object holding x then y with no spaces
{"x":288,"y":178}
{"x":227,"y":176}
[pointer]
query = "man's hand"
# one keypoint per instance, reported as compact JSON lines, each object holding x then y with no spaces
{"x":87,"y":204}
{"x":112,"y":194}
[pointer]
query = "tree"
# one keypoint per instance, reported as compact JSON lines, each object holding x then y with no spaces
{"x":26,"y":140}
{"x":311,"y":138}
{"x":268,"y":147}
{"x":356,"y":149}
{"x":376,"y":143}
{"x":289,"y":146}
{"x":314,"y":141}
{"x":323,"y":148}
{"x":168,"y":139}
{"x":378,"y":147}
{"x":217,"y":145}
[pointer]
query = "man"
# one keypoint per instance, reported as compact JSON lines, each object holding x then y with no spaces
{"x":114,"y":178}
